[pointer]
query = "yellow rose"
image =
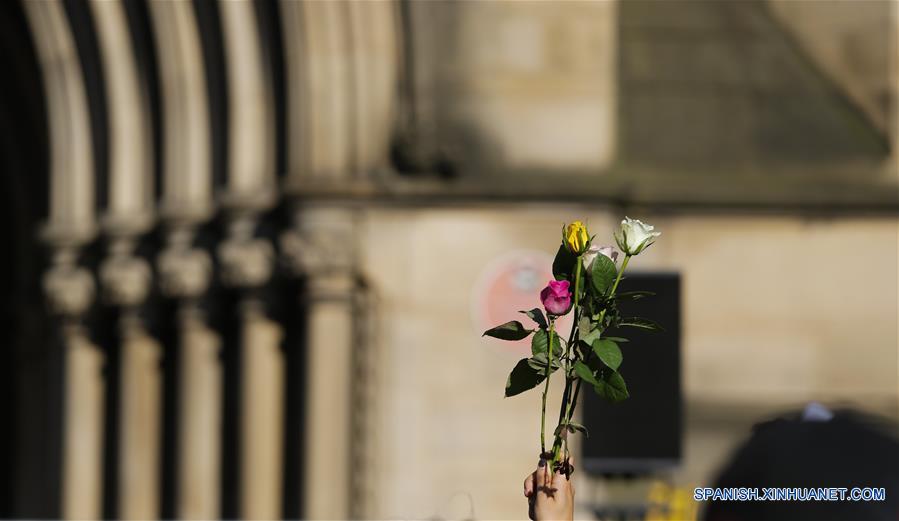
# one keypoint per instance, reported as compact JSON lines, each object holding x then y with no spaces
{"x":576,"y":237}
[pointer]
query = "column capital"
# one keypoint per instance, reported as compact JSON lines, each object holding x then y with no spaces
{"x":246,"y":261}
{"x":69,"y":288}
{"x":321,"y":242}
{"x":184,"y":270}
{"x":125,"y":278}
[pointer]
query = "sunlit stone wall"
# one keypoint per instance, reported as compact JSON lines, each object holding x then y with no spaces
{"x":517,"y":85}
{"x":777,"y":311}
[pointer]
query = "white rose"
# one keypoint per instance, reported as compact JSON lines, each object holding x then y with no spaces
{"x":635,"y":236}
{"x":591,"y":254}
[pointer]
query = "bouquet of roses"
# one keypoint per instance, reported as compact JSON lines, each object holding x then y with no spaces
{"x":585,"y":285}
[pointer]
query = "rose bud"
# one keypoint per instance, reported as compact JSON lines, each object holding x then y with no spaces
{"x":635,"y":236}
{"x":575,"y":237}
{"x":593,"y":251}
{"x":556,"y":298}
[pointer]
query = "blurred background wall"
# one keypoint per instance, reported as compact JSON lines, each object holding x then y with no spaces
{"x":251,"y":244}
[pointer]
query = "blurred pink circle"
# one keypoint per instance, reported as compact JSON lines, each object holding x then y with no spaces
{"x":509,"y":284}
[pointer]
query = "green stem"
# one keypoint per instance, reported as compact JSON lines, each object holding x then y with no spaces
{"x":566,"y":394}
{"x":578,"y":265}
{"x":620,"y":273}
{"x":575,"y":310}
{"x":549,"y":363}
{"x":577,"y":388}
{"x":571,"y":339}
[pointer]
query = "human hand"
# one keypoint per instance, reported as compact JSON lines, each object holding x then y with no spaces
{"x":550,"y":498}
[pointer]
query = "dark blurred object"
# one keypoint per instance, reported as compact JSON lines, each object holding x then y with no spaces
{"x":411,"y":157}
{"x":802,"y":450}
{"x":28,"y":380}
{"x":643,"y":433}
{"x":715,"y":62}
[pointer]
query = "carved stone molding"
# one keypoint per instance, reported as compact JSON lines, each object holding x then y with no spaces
{"x":246,"y":261}
{"x":68,"y":287}
{"x":342,"y":62}
{"x":187,"y":173}
{"x":124,"y":277}
{"x":130,"y":206}
{"x":251,"y":133}
{"x":184,"y":270}
{"x":320,"y":247}
{"x":71,"y":220}
{"x":320,"y":243}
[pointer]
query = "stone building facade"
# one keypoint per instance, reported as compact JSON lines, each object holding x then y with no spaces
{"x":248,"y":236}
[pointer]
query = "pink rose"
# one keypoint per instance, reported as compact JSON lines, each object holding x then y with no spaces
{"x":556,"y":298}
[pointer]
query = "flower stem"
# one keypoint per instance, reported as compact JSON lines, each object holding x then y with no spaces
{"x":549,"y":363}
{"x":575,"y":310}
{"x":620,"y":273}
{"x":577,"y":388}
{"x":577,"y":290}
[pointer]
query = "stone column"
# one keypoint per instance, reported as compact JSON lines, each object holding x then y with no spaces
{"x":70,"y":225}
{"x":83,"y":442}
{"x":184,"y":273}
{"x":342,"y":60}
{"x":199,"y":419}
{"x":126,"y":281}
{"x":125,"y":277}
{"x":262,"y":418}
{"x":321,"y":247}
{"x":185,"y":270}
{"x":70,"y":291}
{"x":247,"y":261}
{"x":247,"y":264}
{"x":140,"y":422}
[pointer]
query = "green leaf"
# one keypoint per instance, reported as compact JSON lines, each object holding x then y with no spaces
{"x":563,"y":264}
{"x":538,"y":361}
{"x":643,"y":323}
{"x":523,"y":378}
{"x":513,"y":330}
{"x":617,"y":339}
{"x":577,"y":427}
{"x":571,"y":427}
{"x":537,"y":316}
{"x":585,"y":373}
{"x":590,"y":335}
{"x":540,"y":342}
{"x":583,"y":324}
{"x":603,"y":274}
{"x":612,"y":387}
{"x":581,"y":285}
{"x":633,"y":295}
{"x":608,"y":352}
